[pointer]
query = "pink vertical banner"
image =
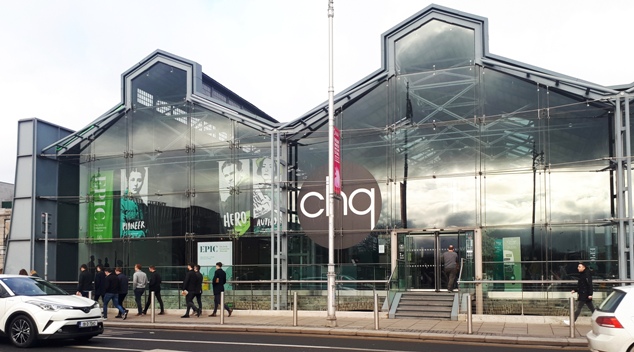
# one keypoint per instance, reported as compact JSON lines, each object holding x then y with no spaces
{"x":336,"y":160}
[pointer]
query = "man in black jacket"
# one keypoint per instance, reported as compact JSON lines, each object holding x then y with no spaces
{"x":218,"y":284}
{"x":100,"y":283}
{"x":154,"y":286}
{"x":189,"y":290}
{"x":123,"y":287}
{"x":199,"y":287}
{"x":112,"y":293}
{"x":84,"y":284}
{"x":584,"y":289}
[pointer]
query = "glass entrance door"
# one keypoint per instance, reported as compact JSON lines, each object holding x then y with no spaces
{"x":422,"y":258}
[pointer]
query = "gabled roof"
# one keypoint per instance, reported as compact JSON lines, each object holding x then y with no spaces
{"x":201,"y":89}
{"x":317,"y":116}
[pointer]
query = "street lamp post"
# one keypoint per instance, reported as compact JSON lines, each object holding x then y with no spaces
{"x":332,"y":319}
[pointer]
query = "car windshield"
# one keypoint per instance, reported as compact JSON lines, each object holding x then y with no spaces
{"x":32,"y":286}
{"x":610,"y":304}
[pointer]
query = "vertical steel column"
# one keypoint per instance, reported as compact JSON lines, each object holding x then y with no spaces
{"x":272,"y":234}
{"x":628,"y":171}
{"x":620,"y":187}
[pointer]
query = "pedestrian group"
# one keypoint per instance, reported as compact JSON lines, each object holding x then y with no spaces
{"x":113,"y":286}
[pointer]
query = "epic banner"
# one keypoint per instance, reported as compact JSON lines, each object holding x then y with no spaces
{"x":100,"y":209}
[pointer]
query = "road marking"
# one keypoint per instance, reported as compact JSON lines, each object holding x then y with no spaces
{"x":106,"y":348}
{"x":246,"y":344}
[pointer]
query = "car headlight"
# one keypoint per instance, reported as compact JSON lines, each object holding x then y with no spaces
{"x":49,"y":305}
{"x":96,"y":305}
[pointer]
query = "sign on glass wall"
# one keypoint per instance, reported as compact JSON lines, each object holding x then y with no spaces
{"x":100,"y":209}
{"x":210,"y":253}
{"x":133,"y":213}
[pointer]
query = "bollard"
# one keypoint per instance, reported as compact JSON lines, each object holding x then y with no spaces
{"x":222,"y":308}
{"x":152,"y":302}
{"x":572,"y":317}
{"x":89,"y":294}
{"x":294,"y":308}
{"x":376,"y":311}
{"x":469,"y":315}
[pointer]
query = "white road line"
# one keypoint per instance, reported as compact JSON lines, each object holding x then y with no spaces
{"x":106,"y":348}
{"x":248,"y":344}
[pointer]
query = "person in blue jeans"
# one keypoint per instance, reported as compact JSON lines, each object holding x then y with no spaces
{"x":112,"y":293}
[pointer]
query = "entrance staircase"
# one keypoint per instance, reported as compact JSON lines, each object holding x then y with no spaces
{"x":431,"y":305}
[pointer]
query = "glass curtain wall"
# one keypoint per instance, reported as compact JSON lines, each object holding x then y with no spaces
{"x":453,"y":144}
{"x":169,"y":175}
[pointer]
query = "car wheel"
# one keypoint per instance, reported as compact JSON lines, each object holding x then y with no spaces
{"x":22,"y":331}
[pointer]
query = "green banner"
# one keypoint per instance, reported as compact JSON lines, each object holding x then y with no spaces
{"x":100,"y":208}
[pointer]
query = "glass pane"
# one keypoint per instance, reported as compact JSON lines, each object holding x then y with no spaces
{"x":162,"y":86}
{"x":435,"y":45}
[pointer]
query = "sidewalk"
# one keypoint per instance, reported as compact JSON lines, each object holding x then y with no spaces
{"x":525,"y":330}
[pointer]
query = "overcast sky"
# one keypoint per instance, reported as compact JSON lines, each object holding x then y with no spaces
{"x":61,"y":61}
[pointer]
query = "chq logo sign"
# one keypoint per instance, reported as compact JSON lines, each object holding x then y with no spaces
{"x":356,"y":213}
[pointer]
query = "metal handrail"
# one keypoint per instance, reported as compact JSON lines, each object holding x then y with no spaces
{"x":607,"y":281}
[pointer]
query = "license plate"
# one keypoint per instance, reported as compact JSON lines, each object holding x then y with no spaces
{"x":87,"y":324}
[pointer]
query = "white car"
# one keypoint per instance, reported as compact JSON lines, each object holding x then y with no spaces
{"x":613,"y":322}
{"x":34,"y":309}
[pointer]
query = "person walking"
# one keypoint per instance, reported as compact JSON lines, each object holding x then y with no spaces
{"x":123,"y":287}
{"x":584,"y":290}
{"x":154,"y":286}
{"x":139,"y":281}
{"x":450,"y":259}
{"x":218,"y":284}
{"x":84,"y":282}
{"x":199,"y":287}
{"x":111,"y":287}
{"x":189,"y":291}
{"x":100,"y":283}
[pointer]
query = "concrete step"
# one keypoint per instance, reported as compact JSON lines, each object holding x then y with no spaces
{"x":402,"y":308}
{"x":429,"y":315}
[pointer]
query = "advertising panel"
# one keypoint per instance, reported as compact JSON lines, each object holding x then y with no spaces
{"x":209,"y":253}
{"x":100,"y":208}
{"x":235,"y":197}
{"x":133,"y":215}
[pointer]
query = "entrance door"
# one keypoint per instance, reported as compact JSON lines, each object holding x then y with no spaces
{"x":422,"y":259}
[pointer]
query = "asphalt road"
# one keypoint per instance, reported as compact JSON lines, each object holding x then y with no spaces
{"x":124,"y":340}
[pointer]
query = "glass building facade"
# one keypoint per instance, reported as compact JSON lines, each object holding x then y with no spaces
{"x":524,"y":170}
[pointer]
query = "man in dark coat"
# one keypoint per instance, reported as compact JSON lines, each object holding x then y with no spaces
{"x":111,"y":286}
{"x":100,"y":283}
{"x":189,"y":290}
{"x":218,"y":283}
{"x":123,"y":287}
{"x":84,"y":284}
{"x":584,"y":289}
{"x":199,"y":286}
{"x":154,"y":286}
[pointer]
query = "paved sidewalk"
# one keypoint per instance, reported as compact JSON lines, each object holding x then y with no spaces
{"x":549,"y":331}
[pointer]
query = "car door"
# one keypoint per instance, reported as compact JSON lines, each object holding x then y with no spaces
{"x":4,"y":296}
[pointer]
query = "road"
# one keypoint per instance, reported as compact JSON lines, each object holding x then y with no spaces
{"x":125,"y":340}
